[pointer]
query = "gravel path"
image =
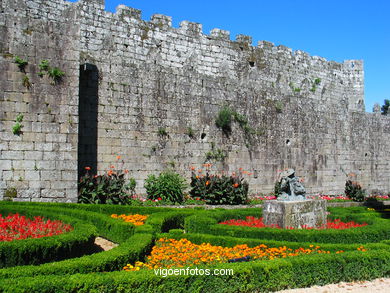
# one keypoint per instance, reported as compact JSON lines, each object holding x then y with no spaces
{"x":104,"y":243}
{"x":377,"y":285}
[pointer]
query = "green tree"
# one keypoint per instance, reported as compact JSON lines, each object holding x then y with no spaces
{"x":385,"y":107}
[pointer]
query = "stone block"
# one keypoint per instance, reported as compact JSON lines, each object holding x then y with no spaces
{"x":295,"y":214}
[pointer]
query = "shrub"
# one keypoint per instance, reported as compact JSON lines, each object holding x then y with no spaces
{"x":109,"y":188}
{"x":222,"y":189}
{"x":224,"y":120}
{"x":44,"y":65}
{"x":17,"y":128}
{"x":162,"y":132}
{"x":354,"y":191}
{"x":21,"y":63}
{"x":277,"y":188}
{"x":56,"y":74}
{"x":168,"y":186}
{"x":385,"y":107}
{"x":190,"y":132}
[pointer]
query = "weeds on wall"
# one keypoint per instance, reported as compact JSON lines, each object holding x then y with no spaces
{"x":225,"y":118}
{"x":190,"y":132}
{"x":21,"y":63}
{"x":26,"y":82}
{"x":279,"y":106}
{"x":162,"y":132}
{"x":215,"y":154}
{"x":55,"y":74}
{"x":315,"y":83}
{"x":52,"y":72}
{"x":294,"y":88}
{"x":17,"y":128}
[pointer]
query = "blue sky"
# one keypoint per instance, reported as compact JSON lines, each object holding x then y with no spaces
{"x":334,"y":29}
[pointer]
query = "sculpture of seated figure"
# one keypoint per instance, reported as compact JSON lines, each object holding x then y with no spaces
{"x":290,"y":186}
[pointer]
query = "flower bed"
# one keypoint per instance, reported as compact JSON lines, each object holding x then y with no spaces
{"x":137,"y":219}
{"x":262,"y":274}
{"x":258,"y":223}
{"x":169,"y":253}
{"x":16,"y":227}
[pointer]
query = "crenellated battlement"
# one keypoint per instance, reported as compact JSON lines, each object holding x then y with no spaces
{"x":163,"y":22}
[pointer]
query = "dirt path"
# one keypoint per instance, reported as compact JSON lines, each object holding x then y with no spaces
{"x":377,"y":285}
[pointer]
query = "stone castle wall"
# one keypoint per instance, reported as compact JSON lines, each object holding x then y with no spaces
{"x":128,"y":79}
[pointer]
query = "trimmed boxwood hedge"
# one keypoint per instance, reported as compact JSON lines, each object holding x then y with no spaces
{"x":117,"y":231}
{"x":228,"y":241}
{"x":35,"y":251}
{"x":261,"y":276}
{"x":377,"y":230}
{"x":91,"y":273}
{"x":130,"y":251}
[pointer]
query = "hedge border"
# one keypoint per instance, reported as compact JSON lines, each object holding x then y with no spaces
{"x":132,"y":246}
{"x":228,"y":241}
{"x":258,"y":275}
{"x":263,"y":276}
{"x":377,"y":230}
{"x":36,"y":251}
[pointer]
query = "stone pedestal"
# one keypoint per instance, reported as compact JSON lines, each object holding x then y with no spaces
{"x":295,"y":214}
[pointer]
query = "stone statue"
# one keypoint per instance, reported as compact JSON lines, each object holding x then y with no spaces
{"x":290,"y":186}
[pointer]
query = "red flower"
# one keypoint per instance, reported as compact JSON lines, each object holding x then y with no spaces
{"x":159,"y":198}
{"x":235,"y":185}
{"x":258,"y":223}
{"x":87,"y":168}
{"x":16,"y":227}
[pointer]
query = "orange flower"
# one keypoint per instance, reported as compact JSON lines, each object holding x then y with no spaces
{"x":207,"y":182}
{"x":110,"y":172}
{"x":200,"y":171}
{"x":192,"y":168}
{"x":118,"y":157}
{"x":126,"y":171}
{"x":136,"y":219}
{"x":87,"y":168}
{"x":235,"y":185}
{"x":169,"y":253}
{"x":112,"y":166}
{"x":197,"y":177}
